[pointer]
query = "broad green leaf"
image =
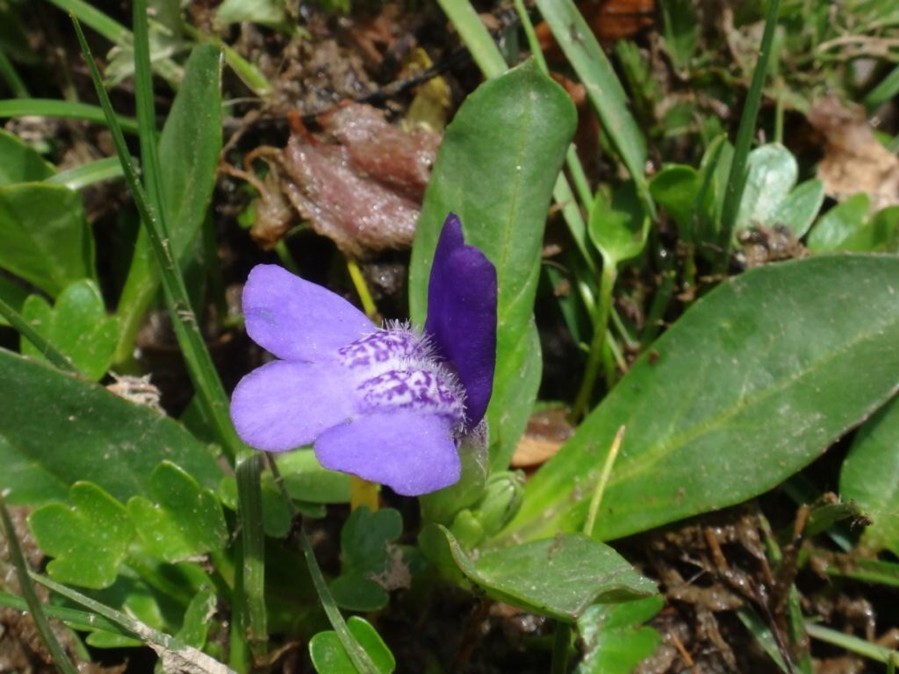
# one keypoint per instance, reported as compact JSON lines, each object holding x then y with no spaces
{"x":77,"y":325}
{"x":188,"y":156}
{"x":265,"y":12}
{"x":615,"y":640}
{"x":181,"y":519}
{"x":880,"y":234}
{"x":367,"y":552}
{"x":870,"y":477}
{"x":19,"y":163}
{"x":618,"y":227}
{"x":799,"y":210}
{"x":329,"y":656}
{"x":839,"y":223}
{"x":87,"y":539}
{"x":559,"y":577}
{"x":772,"y":173}
{"x":44,"y":235}
{"x":306,"y":480}
{"x":196,"y":623}
{"x":751,"y":384}
{"x":56,"y":429}
{"x":496,"y":169}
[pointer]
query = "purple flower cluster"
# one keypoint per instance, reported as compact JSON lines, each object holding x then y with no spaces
{"x":390,"y":405}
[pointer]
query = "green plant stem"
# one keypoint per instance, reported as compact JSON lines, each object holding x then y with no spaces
{"x":51,"y":107}
{"x":358,"y":655}
{"x":90,"y":16}
{"x":11,"y":77}
{"x":600,"y":489}
{"x":60,"y":658}
{"x":15,"y":319}
{"x":598,"y":343}
{"x":561,"y":644}
{"x":249,"y":498}
{"x":736,"y":180}
{"x":854,"y":644}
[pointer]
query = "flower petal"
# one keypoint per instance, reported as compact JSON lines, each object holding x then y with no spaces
{"x":410,"y":452}
{"x":284,"y":405}
{"x":462,"y":315}
{"x":295,"y":319}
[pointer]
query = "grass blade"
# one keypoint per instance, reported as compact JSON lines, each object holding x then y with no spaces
{"x":50,"y":107}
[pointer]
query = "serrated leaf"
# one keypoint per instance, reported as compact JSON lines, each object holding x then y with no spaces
{"x":329,"y":656}
{"x":496,"y":169}
{"x":751,"y":384}
{"x":77,"y":325}
{"x":44,"y":235}
{"x":870,"y":477}
{"x":87,"y":539}
{"x":66,"y":429}
{"x":182,"y":520}
{"x":559,"y":577}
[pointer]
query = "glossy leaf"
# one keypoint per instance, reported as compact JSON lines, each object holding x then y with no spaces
{"x":181,"y":519}
{"x":329,"y":656}
{"x":66,"y":429}
{"x":44,"y":235}
{"x":19,"y":163}
{"x":870,"y":477}
{"x":496,"y":169}
{"x":615,"y":640}
{"x":77,"y":325}
{"x":839,"y":223}
{"x":754,"y":382}
{"x":87,"y":539}
{"x":559,"y":577}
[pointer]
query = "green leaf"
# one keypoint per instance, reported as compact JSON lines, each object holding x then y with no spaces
{"x":66,"y":429}
{"x":615,"y":641}
{"x":870,"y":477}
{"x":265,"y":12}
{"x":559,"y":577}
{"x":799,"y":210}
{"x":496,"y":169}
{"x":839,"y":223}
{"x":12,"y":294}
{"x":772,"y":173}
{"x":87,"y":539}
{"x":188,"y":156}
{"x":306,"y":480}
{"x":589,"y":61}
{"x":77,"y":325}
{"x":330,"y":657}
{"x":367,"y":551}
{"x":751,"y":384}
{"x":19,"y":163}
{"x":182,"y":520}
{"x":195,"y":626}
{"x":618,"y":227}
{"x":879,"y":234}
{"x":675,"y":188}
{"x":44,"y":235}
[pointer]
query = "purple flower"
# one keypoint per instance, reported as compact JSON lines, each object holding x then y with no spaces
{"x":390,"y":405}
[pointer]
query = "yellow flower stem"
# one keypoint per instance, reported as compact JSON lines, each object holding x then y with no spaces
{"x":368,"y":304}
{"x":363,"y":493}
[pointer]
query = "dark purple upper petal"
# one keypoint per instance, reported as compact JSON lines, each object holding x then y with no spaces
{"x":462,"y":315}
{"x":298,"y":320}
{"x":411,"y":452}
